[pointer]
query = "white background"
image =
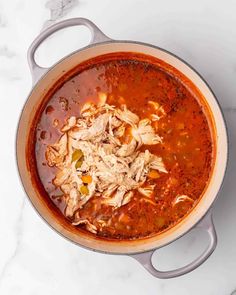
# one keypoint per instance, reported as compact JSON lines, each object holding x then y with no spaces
{"x":33,"y":258}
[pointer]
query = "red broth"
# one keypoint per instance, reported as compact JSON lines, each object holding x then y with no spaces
{"x":187,"y":148}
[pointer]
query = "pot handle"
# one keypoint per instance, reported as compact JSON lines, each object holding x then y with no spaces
{"x":146,"y":258}
{"x":97,"y":37}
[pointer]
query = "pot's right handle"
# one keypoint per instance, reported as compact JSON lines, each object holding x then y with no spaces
{"x":97,"y":37}
{"x":146,"y":258}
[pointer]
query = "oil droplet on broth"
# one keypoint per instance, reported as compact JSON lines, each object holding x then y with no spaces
{"x":43,"y":134}
{"x":49,"y":109}
{"x":64,"y":103}
{"x":55,"y":122}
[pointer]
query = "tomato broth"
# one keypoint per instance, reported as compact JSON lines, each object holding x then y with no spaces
{"x":186,"y":148}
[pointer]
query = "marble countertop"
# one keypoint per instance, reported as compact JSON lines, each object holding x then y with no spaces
{"x":34,"y":259}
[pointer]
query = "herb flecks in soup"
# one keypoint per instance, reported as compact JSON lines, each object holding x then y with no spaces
{"x":123,"y":147}
{"x":99,"y":155}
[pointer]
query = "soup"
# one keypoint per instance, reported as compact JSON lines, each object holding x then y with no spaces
{"x":123,"y":146}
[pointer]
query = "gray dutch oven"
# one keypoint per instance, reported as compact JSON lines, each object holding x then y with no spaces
{"x":142,"y":250}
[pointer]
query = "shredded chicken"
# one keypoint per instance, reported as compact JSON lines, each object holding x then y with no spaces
{"x":71,"y":122}
{"x":159,"y":111}
{"x":144,"y":133}
{"x":89,"y":226}
{"x":96,"y":146}
{"x":147,"y":191}
{"x":182,"y":198}
{"x":56,"y":153}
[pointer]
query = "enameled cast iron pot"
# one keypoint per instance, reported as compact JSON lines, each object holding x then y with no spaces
{"x":142,"y":250}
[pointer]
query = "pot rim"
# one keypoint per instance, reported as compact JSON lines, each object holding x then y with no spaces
{"x":47,"y":70}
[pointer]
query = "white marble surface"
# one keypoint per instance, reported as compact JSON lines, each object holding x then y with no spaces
{"x":34,"y":259}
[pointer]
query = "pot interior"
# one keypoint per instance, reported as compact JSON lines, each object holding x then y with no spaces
{"x":44,"y":209}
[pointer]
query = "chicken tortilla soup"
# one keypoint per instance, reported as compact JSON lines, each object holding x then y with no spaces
{"x":122,"y":146}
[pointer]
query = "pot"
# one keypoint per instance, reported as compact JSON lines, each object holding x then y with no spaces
{"x":142,"y":250}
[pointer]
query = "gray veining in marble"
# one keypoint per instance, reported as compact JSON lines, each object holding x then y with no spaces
{"x":2,"y":22}
{"x":59,"y":9}
{"x":4,"y":51}
{"x":18,"y":235}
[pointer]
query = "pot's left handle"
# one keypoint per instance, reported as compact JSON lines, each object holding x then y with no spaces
{"x":146,"y":258}
{"x":97,"y":37}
